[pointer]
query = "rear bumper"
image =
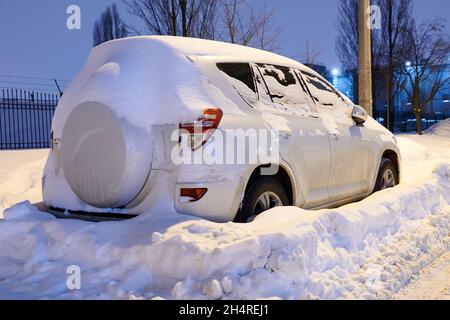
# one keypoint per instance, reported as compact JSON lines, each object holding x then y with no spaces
{"x":220,"y":203}
{"x":83,"y":215}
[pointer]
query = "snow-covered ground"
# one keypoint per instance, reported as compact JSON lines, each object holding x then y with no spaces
{"x":433,"y":282}
{"x":391,"y":245}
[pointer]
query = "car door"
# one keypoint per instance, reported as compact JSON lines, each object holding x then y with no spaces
{"x":304,"y":142}
{"x":350,"y":144}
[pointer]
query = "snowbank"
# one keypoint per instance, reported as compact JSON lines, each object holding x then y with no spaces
{"x":441,"y":128}
{"x":20,"y":177}
{"x":364,"y":250}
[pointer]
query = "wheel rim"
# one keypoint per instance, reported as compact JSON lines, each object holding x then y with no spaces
{"x":388,"y":179}
{"x":266,"y":201}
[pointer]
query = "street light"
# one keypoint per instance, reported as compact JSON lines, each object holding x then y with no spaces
{"x":335,"y":73}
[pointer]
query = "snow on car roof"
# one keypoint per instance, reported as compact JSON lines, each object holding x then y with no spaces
{"x":201,"y":47}
{"x":128,"y":75}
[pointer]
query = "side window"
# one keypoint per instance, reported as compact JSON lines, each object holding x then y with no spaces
{"x":321,"y":91}
{"x":285,"y":89}
{"x":241,"y":78}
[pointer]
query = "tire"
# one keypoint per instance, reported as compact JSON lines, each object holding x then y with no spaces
{"x":253,"y":201}
{"x":387,"y":176}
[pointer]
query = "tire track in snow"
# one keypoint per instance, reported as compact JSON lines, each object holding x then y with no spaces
{"x":431,"y":283}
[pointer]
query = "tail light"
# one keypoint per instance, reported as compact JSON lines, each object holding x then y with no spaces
{"x":192,"y":194}
{"x":201,"y":130}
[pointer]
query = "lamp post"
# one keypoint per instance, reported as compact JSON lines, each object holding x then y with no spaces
{"x":365,"y":57}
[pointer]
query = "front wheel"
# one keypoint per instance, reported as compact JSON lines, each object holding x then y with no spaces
{"x":387,"y":175}
{"x":263,"y":194}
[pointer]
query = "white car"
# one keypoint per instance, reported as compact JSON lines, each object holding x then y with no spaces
{"x":160,"y":121}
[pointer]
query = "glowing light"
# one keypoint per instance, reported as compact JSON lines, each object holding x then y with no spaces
{"x":408,"y":64}
{"x":335,"y":72}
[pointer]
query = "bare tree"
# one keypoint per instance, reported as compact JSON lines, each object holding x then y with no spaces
{"x":242,"y":23}
{"x":109,"y":26}
{"x":425,"y":72}
{"x":393,"y":47}
{"x":310,"y":53}
{"x":347,"y":40}
{"x":347,"y":46}
{"x":268,"y":32}
{"x":235,"y":21}
{"x":187,"y":18}
{"x":389,"y":46}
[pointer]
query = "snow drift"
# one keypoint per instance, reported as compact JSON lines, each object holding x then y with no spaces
{"x":441,"y":128}
{"x":363,"y":250}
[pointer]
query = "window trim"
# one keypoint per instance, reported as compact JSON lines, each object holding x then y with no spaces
{"x":304,"y":85}
{"x":264,"y":82}
{"x":254,"y":80}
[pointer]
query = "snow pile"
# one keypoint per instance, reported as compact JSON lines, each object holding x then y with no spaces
{"x":441,"y":128}
{"x":364,"y":250}
{"x":20,"y":177}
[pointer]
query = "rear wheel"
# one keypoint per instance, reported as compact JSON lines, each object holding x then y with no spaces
{"x":264,"y":193}
{"x":387,"y":175}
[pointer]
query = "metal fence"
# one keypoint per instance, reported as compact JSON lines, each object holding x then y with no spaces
{"x":25,"y":119}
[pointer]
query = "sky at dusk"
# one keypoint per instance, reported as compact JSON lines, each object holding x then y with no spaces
{"x":36,"y":43}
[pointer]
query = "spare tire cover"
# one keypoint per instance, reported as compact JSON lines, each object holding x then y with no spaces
{"x":106,"y":161}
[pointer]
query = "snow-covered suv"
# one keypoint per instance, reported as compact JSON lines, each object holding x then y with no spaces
{"x":152,"y":121}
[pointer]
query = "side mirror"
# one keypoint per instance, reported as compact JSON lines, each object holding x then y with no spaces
{"x":359,"y":115}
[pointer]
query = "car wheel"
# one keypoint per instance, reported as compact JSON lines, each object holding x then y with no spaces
{"x":263,"y":194}
{"x":387,"y":175}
